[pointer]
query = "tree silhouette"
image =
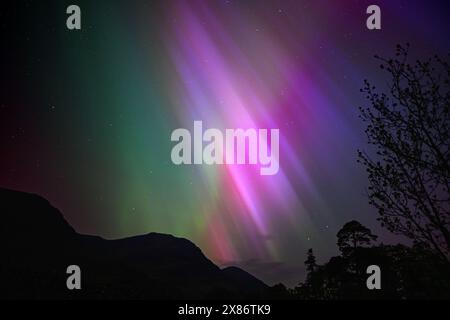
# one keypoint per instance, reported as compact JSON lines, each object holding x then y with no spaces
{"x":409,"y":126}
{"x":310,"y":262}
{"x":408,"y":272}
{"x":352,"y":235}
{"x":312,"y":287}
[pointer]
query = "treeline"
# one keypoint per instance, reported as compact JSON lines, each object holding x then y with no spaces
{"x":406,"y":272}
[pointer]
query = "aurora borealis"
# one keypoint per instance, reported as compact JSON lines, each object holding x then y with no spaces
{"x":86,"y":117}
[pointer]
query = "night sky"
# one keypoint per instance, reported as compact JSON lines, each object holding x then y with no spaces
{"x":86,"y":116}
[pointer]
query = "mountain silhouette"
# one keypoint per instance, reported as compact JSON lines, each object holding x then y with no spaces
{"x":245,"y":280}
{"x":37,"y":246}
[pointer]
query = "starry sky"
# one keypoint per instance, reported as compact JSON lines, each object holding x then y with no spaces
{"x":86,"y":116}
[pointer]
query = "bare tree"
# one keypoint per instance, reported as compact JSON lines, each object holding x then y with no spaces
{"x":409,"y":127}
